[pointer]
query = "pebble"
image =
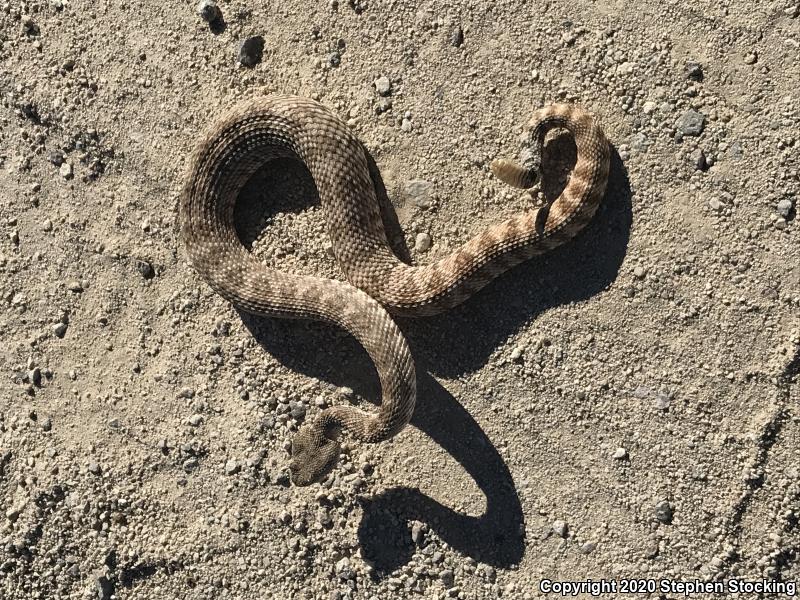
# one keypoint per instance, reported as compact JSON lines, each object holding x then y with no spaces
{"x":419,"y":191}
{"x":47,"y":424}
{"x":417,"y":534}
{"x":784,"y":207}
{"x":195,"y":420}
{"x":345,"y":570}
{"x":649,"y":107}
{"x":334,"y":59}
{"x":516,"y":354}
{"x":406,"y":125}
{"x":65,"y":170}
{"x":297,"y":410}
{"x":75,"y":286}
{"x":559,"y":527}
{"x":751,"y":58}
{"x":94,"y":468}
{"x":383,"y":86}
{"x":209,"y":11}
{"x":698,"y":159}
{"x":715,"y":204}
{"x":691,"y":123}
{"x":663,"y":512}
{"x":59,"y":329}
{"x":422,"y":243}
{"x":588,"y":548}
{"x":56,"y":157}
{"x":146,"y":269}
{"x":639,"y":272}
{"x":232,"y":467}
{"x":457,"y":36}
{"x":620,"y":453}
{"x":694,"y":71}
{"x":251,"y":51}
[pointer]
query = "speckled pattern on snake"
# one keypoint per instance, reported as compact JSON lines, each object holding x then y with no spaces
{"x":255,"y":132}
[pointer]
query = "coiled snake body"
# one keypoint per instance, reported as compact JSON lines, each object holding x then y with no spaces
{"x":258,"y":131}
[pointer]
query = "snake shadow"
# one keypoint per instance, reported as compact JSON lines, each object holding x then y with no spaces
{"x":448,"y":346}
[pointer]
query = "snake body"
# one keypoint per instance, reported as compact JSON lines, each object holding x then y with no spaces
{"x":256,"y":132}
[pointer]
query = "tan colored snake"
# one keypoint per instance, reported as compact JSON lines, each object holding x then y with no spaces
{"x":258,"y":131}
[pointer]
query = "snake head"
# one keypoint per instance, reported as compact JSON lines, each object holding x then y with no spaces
{"x":313,"y":455}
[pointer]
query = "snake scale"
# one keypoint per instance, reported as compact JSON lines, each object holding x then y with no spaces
{"x":258,"y":131}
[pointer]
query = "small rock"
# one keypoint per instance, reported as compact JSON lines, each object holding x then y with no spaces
{"x":195,"y":420}
{"x":588,"y":548}
{"x":516,"y":354}
{"x":209,"y":11}
{"x":232,"y":467}
{"x":297,"y":410}
{"x":66,"y":170}
{"x":694,"y":71}
{"x":383,"y":86}
{"x":639,"y":272}
{"x":47,"y":424}
{"x":698,"y":159}
{"x":334,"y":59}
{"x":146,"y":269}
{"x":664,"y":512}
{"x":417,"y":534}
{"x":715,"y":204}
{"x":94,"y":468}
{"x":345,"y":570}
{"x":751,"y":58}
{"x":457,"y":36}
{"x":75,"y":286}
{"x":59,"y":329}
{"x":559,"y":528}
{"x":251,"y":51}
{"x":422,"y":243}
{"x":649,"y":107}
{"x":691,"y":123}
{"x":784,"y":207}
{"x":419,"y":191}
{"x":620,"y":454}
{"x":663,"y":399}
{"x":406,"y":126}
{"x":56,"y":157}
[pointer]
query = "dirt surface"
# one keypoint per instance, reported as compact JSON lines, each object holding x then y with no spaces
{"x":624,"y":407}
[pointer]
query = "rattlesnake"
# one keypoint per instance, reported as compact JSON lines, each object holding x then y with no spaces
{"x":258,"y":131}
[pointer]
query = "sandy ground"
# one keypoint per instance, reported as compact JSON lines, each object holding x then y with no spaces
{"x":623,"y":407}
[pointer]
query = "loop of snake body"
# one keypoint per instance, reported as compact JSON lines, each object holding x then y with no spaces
{"x":258,"y":131}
